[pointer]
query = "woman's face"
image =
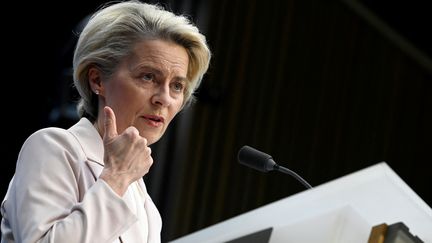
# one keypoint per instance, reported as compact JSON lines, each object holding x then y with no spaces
{"x":147,"y":89}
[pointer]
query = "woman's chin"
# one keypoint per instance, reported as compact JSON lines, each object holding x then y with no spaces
{"x":151,"y":138}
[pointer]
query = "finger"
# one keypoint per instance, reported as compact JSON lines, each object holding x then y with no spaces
{"x":147,"y":151}
{"x":110,"y":123}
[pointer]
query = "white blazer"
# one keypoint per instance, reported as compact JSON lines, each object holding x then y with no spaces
{"x":55,"y":194}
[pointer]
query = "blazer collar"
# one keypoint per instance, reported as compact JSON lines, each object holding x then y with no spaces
{"x":89,"y":139}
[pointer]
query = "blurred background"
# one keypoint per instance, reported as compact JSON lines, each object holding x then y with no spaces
{"x":326,"y":87}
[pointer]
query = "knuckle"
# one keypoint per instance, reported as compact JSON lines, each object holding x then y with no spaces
{"x":131,"y":132}
{"x":150,"y":161}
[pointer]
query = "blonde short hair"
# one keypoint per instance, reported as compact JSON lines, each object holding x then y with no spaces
{"x":111,"y":33}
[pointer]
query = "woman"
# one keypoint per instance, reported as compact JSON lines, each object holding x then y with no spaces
{"x":135,"y":67}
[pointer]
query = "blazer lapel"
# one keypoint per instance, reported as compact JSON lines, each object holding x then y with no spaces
{"x":85,"y":133}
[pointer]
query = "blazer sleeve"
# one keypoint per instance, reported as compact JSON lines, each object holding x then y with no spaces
{"x":44,"y":204}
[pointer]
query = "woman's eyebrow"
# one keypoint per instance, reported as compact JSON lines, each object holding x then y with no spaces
{"x":159,"y":72}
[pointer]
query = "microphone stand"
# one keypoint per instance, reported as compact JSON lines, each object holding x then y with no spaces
{"x":292,"y":173}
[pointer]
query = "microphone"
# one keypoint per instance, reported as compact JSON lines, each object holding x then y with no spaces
{"x":263,"y":162}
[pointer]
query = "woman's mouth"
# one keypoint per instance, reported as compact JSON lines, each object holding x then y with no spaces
{"x":154,"y":121}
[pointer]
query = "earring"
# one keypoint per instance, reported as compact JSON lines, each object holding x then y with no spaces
{"x":96,"y":92}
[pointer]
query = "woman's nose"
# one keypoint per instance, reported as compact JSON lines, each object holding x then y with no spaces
{"x":161,"y":95}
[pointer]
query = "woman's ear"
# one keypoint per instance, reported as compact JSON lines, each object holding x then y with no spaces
{"x":95,"y":80}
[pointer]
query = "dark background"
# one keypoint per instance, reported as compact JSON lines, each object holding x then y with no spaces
{"x":313,"y":83}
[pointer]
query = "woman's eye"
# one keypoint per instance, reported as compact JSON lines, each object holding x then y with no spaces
{"x":148,"y":77}
{"x":178,"y":86}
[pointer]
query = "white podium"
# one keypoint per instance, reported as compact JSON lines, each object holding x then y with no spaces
{"x":342,"y":210}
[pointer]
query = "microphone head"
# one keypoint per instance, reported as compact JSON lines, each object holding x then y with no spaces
{"x":255,"y":159}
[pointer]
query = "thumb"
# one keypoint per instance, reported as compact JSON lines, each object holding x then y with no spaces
{"x":109,"y":123}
